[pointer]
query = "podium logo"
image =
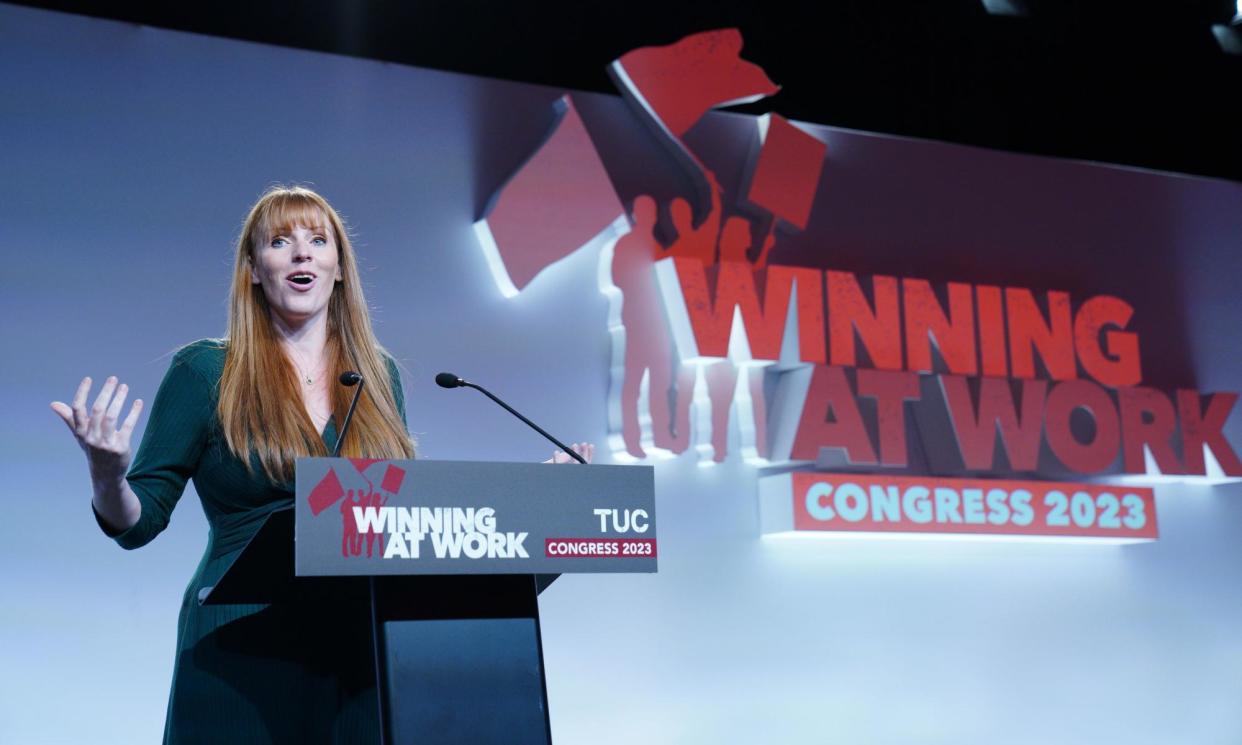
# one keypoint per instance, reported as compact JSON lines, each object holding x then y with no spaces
{"x":329,"y":492}
{"x":456,"y":532}
{"x":621,"y":521}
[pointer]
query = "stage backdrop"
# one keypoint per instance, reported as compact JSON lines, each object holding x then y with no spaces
{"x":128,"y":157}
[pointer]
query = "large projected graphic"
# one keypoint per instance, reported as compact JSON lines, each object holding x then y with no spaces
{"x":826,"y":367}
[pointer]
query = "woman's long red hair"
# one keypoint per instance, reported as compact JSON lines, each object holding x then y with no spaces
{"x":260,"y":408}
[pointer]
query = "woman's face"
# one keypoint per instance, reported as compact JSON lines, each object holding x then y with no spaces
{"x":298,"y":268}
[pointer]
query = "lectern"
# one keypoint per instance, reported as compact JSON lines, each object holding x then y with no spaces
{"x":450,"y":557}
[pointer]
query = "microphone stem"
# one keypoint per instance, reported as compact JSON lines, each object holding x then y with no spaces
{"x":340,"y":440}
{"x":532,"y":425}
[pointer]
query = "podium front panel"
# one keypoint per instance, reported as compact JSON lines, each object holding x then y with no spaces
{"x":469,"y":682}
{"x":405,"y":517}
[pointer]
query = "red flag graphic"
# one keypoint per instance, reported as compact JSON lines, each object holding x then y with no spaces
{"x":325,"y":493}
{"x":363,"y":464}
{"x":558,"y":201}
{"x":393,"y":477}
{"x":679,"y":83}
{"x":786,"y":174}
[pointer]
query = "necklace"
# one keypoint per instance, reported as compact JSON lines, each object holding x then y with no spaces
{"x":306,"y":377}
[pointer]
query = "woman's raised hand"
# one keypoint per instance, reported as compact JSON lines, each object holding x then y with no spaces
{"x":106,"y":446}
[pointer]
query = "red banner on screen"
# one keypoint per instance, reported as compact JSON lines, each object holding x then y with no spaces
{"x":879,"y":504}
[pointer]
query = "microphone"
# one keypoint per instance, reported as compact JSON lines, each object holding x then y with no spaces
{"x":348,"y":379}
{"x":449,"y":380}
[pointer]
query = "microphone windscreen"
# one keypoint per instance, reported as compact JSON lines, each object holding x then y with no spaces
{"x":448,"y":380}
{"x":350,"y":377}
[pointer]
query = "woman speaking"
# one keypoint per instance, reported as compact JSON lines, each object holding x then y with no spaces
{"x":234,"y":415}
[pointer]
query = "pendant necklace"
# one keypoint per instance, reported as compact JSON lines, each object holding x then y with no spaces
{"x":301,"y":370}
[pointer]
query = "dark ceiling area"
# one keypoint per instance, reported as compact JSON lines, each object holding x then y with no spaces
{"x":1139,"y":84}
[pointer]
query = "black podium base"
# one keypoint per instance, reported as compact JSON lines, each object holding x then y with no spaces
{"x":461,"y":660}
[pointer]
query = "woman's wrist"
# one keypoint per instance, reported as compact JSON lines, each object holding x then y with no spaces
{"x":108,"y":481}
{"x":115,"y":503}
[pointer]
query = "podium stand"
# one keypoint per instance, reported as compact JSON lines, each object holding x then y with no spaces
{"x":450,"y":558}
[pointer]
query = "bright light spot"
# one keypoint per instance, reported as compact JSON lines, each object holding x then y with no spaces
{"x":494,"y":262}
{"x":1005,"y":7}
{"x":1215,"y":475}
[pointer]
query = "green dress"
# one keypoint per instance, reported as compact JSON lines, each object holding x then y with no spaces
{"x":287,"y":673}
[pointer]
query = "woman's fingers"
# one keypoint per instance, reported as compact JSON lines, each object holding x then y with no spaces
{"x":100,"y":406}
{"x":80,"y":419}
{"x":99,"y":423}
{"x":114,"y":411}
{"x":96,"y":429}
{"x":127,"y":427}
{"x":64,"y":412}
{"x":585,"y":449}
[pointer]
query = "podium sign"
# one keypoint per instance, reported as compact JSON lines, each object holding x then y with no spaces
{"x":401,"y":517}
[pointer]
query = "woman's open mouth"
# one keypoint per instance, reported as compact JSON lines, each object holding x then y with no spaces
{"x":301,"y":281}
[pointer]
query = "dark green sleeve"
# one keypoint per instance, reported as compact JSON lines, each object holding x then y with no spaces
{"x":171,"y":446}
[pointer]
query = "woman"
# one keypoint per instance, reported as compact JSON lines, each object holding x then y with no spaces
{"x":234,"y":415}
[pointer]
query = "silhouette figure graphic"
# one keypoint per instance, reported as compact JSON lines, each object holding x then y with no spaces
{"x":648,"y":347}
{"x":351,"y":539}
